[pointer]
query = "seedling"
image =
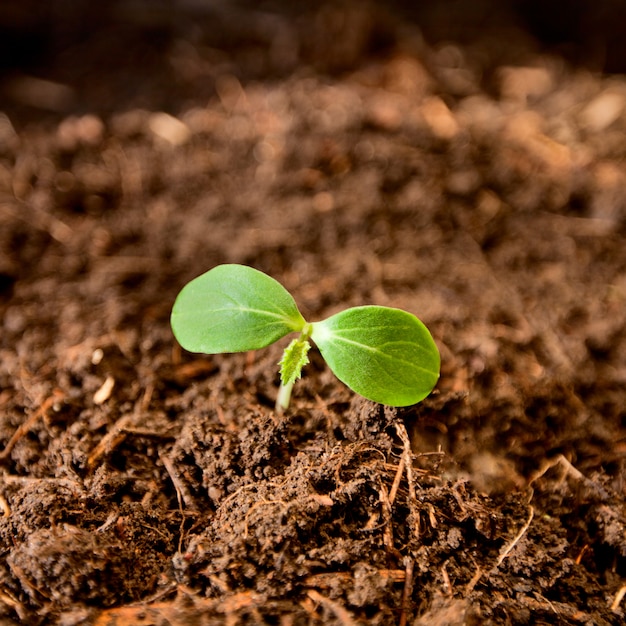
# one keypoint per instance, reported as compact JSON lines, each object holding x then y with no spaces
{"x":387,"y":355}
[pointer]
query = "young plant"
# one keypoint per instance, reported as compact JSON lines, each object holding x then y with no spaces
{"x":387,"y":355}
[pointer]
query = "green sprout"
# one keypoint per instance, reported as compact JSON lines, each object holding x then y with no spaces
{"x":386,"y":355}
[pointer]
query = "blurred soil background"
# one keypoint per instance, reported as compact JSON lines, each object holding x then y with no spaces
{"x":462,"y":160}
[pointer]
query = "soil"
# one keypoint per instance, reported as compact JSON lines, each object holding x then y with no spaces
{"x":479,"y":184}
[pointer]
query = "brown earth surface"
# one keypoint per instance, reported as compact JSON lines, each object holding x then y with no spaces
{"x":480,"y":185}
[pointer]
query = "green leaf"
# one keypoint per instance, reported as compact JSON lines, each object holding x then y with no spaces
{"x":386,"y":355}
{"x":294,"y":359}
{"x":233,"y":308}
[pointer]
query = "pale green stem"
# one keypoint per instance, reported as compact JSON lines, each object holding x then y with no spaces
{"x":283,"y":398}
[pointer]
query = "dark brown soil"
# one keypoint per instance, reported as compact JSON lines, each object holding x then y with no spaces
{"x":480,"y":185}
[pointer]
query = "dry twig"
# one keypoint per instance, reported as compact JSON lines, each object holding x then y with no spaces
{"x":619,"y":596}
{"x":408,"y":589}
{"x":407,"y":456}
{"x":506,"y":549}
{"x":22,"y":429}
{"x":343,"y":615}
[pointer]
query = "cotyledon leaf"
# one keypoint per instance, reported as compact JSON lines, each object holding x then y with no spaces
{"x":387,"y":355}
{"x":233,"y":308}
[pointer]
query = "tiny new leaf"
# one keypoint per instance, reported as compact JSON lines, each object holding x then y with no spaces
{"x":294,"y":359}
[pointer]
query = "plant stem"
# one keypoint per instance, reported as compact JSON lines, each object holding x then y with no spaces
{"x":283,"y":397}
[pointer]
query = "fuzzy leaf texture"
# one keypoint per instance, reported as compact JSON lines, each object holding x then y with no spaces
{"x":387,"y":355}
{"x":294,"y":359}
{"x":233,"y":308}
